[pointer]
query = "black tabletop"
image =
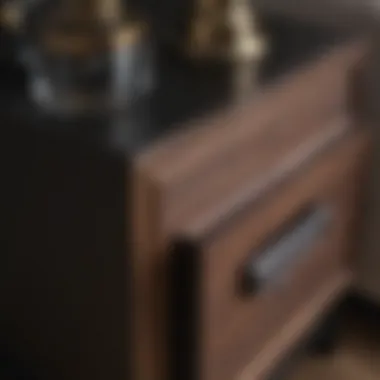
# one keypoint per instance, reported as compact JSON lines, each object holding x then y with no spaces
{"x":183,"y":92}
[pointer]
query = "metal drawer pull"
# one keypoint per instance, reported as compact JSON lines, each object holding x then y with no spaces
{"x":273,"y":262}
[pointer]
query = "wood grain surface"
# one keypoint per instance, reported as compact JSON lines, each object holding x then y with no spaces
{"x":235,"y":330}
{"x":196,"y":182}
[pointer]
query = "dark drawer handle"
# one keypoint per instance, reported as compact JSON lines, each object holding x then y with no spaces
{"x":275,"y":260}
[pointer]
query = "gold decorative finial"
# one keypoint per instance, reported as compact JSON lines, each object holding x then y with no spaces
{"x":226,"y":29}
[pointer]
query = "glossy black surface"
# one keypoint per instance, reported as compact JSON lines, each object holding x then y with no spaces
{"x":183,"y":92}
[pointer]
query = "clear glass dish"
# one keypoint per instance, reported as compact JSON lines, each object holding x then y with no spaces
{"x":85,"y":55}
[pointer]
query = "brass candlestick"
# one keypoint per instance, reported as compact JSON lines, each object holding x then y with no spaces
{"x":227,"y":30}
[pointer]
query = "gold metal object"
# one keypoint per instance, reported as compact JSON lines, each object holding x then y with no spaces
{"x":226,"y":29}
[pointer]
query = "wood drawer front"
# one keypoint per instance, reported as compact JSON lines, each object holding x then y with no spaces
{"x":233,"y":328}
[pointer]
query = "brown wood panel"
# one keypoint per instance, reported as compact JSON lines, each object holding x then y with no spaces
{"x":151,"y":239}
{"x":199,"y":170}
{"x":151,"y":209}
{"x":234,"y":330}
{"x":319,"y":86}
{"x":149,"y":289}
{"x":234,"y":181}
{"x":192,"y":182}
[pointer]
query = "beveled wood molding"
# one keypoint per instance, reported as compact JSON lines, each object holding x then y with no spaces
{"x":235,"y":176}
{"x":303,"y":321}
{"x":236,"y":144}
{"x":323,"y":80}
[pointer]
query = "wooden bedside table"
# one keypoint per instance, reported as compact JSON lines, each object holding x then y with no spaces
{"x":292,"y":154}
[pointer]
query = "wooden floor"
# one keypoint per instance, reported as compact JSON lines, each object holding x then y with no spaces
{"x":357,"y":355}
